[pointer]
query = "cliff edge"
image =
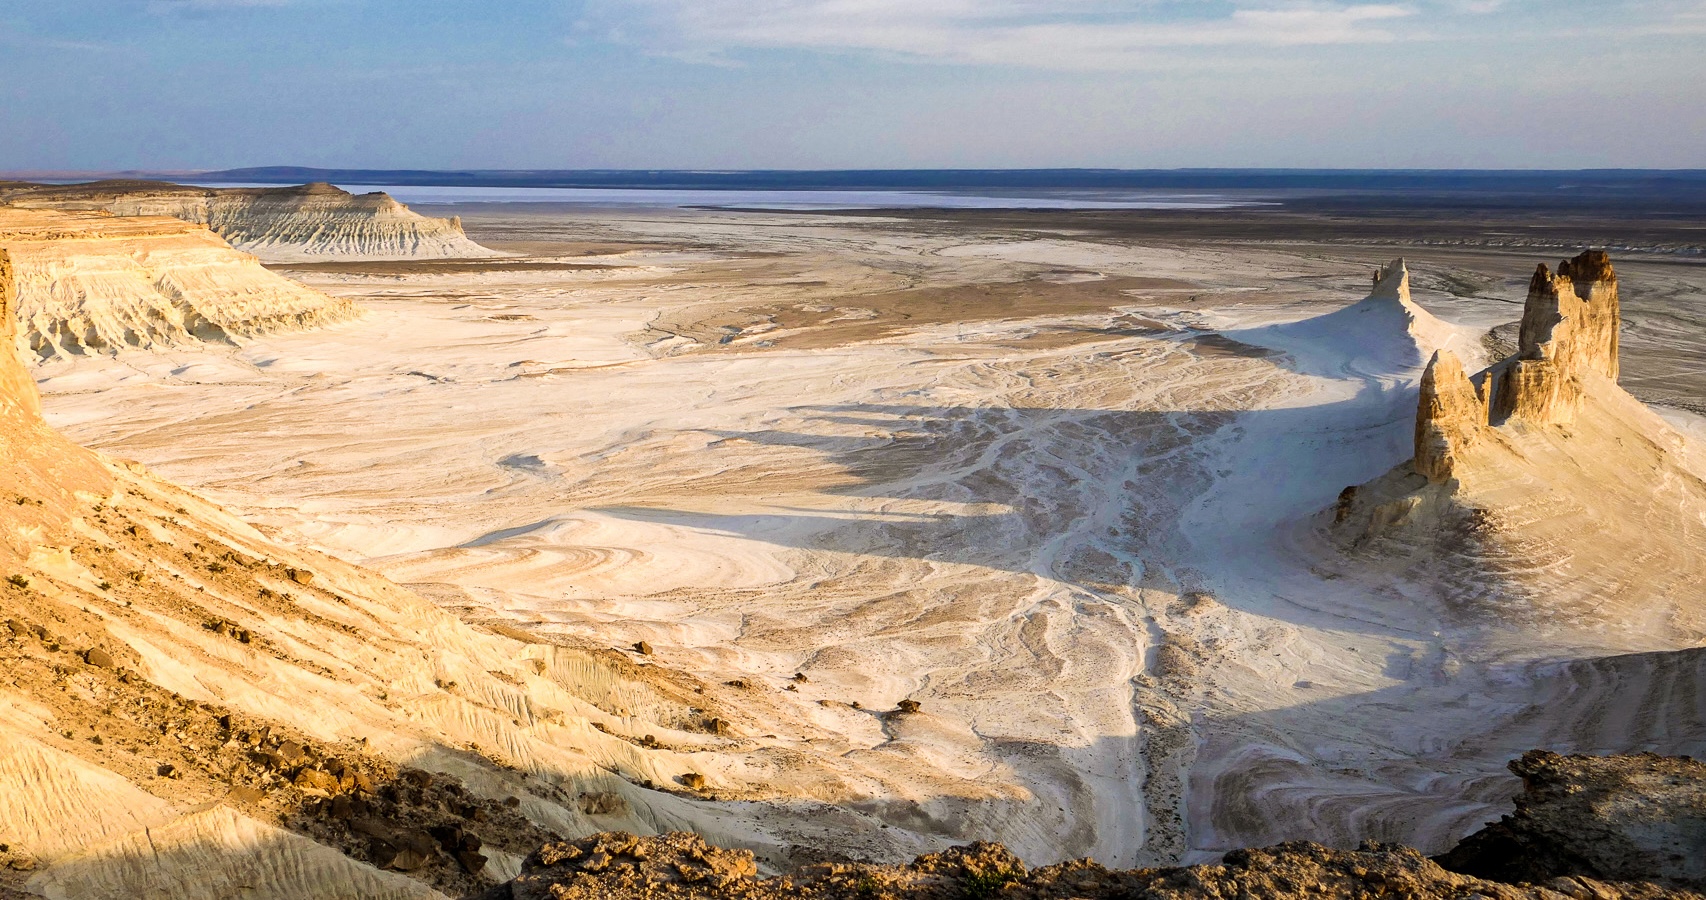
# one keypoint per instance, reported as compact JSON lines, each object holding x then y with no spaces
{"x":94,"y":283}
{"x":288,"y":224}
{"x":189,"y":709}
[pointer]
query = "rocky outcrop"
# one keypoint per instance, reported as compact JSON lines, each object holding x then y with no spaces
{"x":287,"y":224}
{"x":1640,"y":817}
{"x":88,"y":282}
{"x":682,"y":866}
{"x":1449,"y":417}
{"x":1540,"y":492}
{"x":1568,"y":334}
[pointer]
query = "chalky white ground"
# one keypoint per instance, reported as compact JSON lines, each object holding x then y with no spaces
{"x":1002,"y":523}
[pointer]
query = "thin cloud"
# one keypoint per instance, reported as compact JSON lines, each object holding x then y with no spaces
{"x":1086,"y":34}
{"x":171,"y":6}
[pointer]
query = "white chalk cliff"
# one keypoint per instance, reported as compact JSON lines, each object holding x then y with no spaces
{"x":1540,"y":488}
{"x":285,"y":224}
{"x":96,"y":283}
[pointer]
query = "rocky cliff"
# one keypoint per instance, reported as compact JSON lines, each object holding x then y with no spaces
{"x":1541,"y":491}
{"x":287,"y":224}
{"x":90,"y":282}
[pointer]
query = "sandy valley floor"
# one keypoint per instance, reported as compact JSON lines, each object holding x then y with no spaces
{"x":1053,"y":486}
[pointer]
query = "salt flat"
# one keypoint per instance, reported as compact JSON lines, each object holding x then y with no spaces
{"x":1047,"y":485}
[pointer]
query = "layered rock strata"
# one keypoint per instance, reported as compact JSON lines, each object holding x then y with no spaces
{"x":286,"y":224}
{"x":188,"y":709}
{"x":88,"y":282}
{"x":1540,"y":490}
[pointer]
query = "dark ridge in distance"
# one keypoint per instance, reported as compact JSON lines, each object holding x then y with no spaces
{"x":1592,"y":181}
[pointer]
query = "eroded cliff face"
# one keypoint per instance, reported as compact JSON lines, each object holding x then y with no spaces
{"x":87,"y":282}
{"x":1568,"y":336}
{"x":287,"y":224}
{"x":1449,"y":417}
{"x":1568,"y":340}
{"x":1540,"y":491}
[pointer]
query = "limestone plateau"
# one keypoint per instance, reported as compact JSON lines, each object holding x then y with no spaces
{"x":95,"y":283}
{"x":285,"y":224}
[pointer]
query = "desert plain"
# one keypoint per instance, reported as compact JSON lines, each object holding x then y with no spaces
{"x":1057,"y":479}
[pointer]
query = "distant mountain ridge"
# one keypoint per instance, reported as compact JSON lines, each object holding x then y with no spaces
{"x":1498,"y":181}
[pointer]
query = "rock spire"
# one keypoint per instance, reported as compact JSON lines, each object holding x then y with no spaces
{"x":1569,"y":332}
{"x":1568,"y":336}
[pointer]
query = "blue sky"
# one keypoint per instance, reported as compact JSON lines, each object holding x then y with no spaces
{"x":192,"y":84}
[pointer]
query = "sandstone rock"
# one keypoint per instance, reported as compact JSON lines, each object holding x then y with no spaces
{"x":1639,"y":817}
{"x":602,"y":803}
{"x":679,"y":866}
{"x":316,"y":780}
{"x":693,"y":781}
{"x":908,"y":706}
{"x":98,"y":658}
{"x":643,"y":648}
{"x":1449,"y":417}
{"x":1569,"y":332}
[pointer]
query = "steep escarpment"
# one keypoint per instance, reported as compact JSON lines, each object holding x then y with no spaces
{"x":287,"y":224}
{"x":188,"y":709}
{"x":87,"y":282}
{"x":1513,"y":462}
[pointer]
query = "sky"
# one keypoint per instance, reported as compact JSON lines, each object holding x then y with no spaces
{"x":183,"y":85}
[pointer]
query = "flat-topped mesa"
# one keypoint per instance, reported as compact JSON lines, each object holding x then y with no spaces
{"x":283,"y":224}
{"x":92,"y":283}
{"x":1568,"y":334}
{"x":1450,"y":417}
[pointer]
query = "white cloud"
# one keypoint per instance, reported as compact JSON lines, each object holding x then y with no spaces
{"x":1069,"y":34}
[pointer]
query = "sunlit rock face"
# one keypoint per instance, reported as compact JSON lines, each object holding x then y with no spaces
{"x":286,"y":224}
{"x":1449,"y":417}
{"x":1510,"y":464}
{"x":94,"y":283}
{"x":1569,"y":333}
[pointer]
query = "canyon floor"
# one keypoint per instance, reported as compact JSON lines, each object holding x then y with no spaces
{"x":1054,"y":483}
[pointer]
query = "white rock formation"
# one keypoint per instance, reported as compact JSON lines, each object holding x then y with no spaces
{"x":1539,"y":487}
{"x":286,"y":224}
{"x":88,"y":282}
